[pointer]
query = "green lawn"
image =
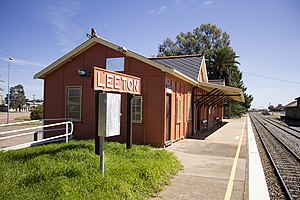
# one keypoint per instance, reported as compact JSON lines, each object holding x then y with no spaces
{"x":71,"y":171}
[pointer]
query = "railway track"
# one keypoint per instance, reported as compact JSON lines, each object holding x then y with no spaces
{"x":287,"y":129}
{"x":285,"y":160}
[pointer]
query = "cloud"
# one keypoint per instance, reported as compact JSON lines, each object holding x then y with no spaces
{"x":177,"y":2}
{"x":158,"y":11}
{"x":23,"y":62}
{"x":60,"y":16}
{"x":208,"y":3}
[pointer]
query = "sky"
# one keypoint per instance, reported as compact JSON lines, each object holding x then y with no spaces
{"x":265,"y":34}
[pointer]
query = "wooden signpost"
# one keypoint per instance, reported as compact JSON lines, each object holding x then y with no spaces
{"x":108,"y":106}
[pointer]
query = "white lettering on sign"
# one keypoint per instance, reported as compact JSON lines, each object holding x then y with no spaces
{"x":117,"y":78}
{"x":130,"y":84}
{"x":99,"y":84}
{"x":109,"y":81}
{"x":109,"y":78}
{"x":124,"y":83}
{"x":135,"y":85}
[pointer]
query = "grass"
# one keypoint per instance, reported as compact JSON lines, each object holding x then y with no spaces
{"x":21,"y":119}
{"x":71,"y":171}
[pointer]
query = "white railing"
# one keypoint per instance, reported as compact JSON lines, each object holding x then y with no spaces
{"x":68,"y":130}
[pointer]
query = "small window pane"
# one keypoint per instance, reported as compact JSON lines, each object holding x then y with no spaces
{"x":73,"y":92}
{"x":138,"y":109}
{"x":74,"y":115}
{"x":115,"y":64}
{"x":74,"y":100}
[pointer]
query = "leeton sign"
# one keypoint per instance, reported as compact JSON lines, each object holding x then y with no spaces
{"x":109,"y":81}
{"x":108,"y":106}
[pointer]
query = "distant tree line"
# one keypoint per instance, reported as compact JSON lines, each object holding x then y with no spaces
{"x":17,"y":100}
{"x":221,"y":59}
{"x":278,"y":108}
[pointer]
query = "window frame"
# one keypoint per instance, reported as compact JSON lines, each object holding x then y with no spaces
{"x":178,"y":110}
{"x":189,"y":106}
{"x":80,"y":103}
{"x":117,"y":59}
{"x":134,"y":112}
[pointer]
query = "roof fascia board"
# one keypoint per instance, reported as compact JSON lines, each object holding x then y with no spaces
{"x":203,"y":65}
{"x":69,"y":56}
{"x":64,"y":59}
{"x":226,"y":89}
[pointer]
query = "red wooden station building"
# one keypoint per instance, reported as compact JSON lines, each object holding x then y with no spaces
{"x":177,"y":100}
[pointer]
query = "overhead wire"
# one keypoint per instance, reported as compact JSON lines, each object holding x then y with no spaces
{"x":276,"y":79}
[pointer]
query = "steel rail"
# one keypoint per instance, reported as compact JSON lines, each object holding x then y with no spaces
{"x":284,"y":125}
{"x":278,"y":139}
{"x":274,"y":123}
{"x":258,"y":131}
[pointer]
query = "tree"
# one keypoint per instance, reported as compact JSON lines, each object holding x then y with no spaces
{"x":168,"y":48}
{"x":221,"y":59}
{"x":203,"y":39}
{"x":222,"y":64}
{"x":17,"y":97}
{"x":271,"y":108}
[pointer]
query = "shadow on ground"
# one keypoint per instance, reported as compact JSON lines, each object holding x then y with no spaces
{"x":201,"y":135}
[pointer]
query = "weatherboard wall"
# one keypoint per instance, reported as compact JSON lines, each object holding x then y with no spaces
{"x":152,"y":130}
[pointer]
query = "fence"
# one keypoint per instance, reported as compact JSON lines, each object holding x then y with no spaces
{"x":67,"y":131}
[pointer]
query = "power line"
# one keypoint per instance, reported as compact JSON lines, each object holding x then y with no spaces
{"x":276,"y":79}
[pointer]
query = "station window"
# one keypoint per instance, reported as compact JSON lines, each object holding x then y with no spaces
{"x":189,"y":106}
{"x":136,"y":113}
{"x":115,"y":64}
{"x":74,"y":103}
{"x":179,"y":110}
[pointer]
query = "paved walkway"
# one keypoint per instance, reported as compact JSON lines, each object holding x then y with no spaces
{"x":214,"y":168}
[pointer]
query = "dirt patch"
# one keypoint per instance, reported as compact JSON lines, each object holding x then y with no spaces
{"x":14,"y":116}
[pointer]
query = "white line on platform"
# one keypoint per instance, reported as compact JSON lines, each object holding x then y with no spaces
{"x":257,"y":183}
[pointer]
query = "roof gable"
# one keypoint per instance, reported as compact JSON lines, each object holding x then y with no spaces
{"x":192,"y":66}
{"x":202,"y":77}
{"x":97,"y":40}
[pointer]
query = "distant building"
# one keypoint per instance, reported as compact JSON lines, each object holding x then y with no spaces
{"x":292,"y":112}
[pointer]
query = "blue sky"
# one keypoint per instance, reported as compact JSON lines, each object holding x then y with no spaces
{"x":265,"y":34}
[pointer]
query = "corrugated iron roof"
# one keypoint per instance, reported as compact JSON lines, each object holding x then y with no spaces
{"x":189,"y":65}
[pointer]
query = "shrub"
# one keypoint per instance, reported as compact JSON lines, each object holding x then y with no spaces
{"x":37,"y":113}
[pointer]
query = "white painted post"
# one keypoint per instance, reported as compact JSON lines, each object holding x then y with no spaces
{"x":102,"y":139}
{"x":67,"y":139}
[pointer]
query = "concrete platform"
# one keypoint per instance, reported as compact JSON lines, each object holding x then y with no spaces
{"x":214,"y":168}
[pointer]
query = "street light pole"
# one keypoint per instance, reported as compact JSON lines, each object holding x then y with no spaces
{"x":8,"y":91}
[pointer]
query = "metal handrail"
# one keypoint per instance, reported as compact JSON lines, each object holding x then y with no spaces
{"x":38,"y":120}
{"x":68,"y":131}
{"x":19,"y":123}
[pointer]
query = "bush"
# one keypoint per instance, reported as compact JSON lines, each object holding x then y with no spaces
{"x":37,"y":113}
